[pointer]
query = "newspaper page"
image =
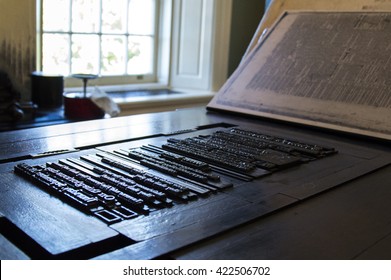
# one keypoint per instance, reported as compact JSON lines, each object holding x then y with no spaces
{"x":328,"y":69}
{"x":277,"y":7}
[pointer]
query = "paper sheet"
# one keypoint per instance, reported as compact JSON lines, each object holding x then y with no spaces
{"x":327,"y":69}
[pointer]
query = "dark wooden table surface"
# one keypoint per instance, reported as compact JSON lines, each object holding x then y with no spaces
{"x":336,"y":208}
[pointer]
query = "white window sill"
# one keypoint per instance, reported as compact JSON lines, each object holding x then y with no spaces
{"x":131,"y":105}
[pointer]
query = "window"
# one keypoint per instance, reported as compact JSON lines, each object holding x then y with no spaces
{"x":116,"y":39}
{"x":159,"y":43}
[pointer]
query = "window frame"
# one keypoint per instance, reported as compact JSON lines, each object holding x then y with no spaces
{"x":162,"y":26}
{"x":218,"y":23}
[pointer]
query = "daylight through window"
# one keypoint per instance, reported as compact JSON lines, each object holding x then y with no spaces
{"x":104,"y":37}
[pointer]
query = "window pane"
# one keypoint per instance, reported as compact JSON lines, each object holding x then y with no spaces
{"x":85,"y":54}
{"x":56,"y":15}
{"x":113,"y":55}
{"x":114,"y":16}
{"x":85,"y":15}
{"x":140,"y":55}
{"x":105,"y":37}
{"x":55,"y":58}
{"x":141,"y":17}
